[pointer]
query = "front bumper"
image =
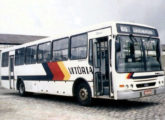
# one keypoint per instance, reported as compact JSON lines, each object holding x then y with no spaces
{"x":129,"y":94}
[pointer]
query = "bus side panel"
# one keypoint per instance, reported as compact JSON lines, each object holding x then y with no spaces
{"x":50,"y":87}
{"x":79,"y":69}
{"x":29,"y":70}
{"x":45,"y":78}
{"x":5,"y":77}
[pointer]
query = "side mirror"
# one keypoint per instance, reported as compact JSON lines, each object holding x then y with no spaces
{"x":118,"y":47}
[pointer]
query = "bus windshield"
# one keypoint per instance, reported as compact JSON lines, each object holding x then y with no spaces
{"x":137,"y":54}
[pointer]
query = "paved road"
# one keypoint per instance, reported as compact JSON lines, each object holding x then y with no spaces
{"x":48,"y":107}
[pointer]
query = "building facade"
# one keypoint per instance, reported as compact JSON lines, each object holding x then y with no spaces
{"x":9,"y":40}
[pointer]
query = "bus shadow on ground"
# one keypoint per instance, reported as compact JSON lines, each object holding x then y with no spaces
{"x":124,"y":104}
{"x":101,"y":103}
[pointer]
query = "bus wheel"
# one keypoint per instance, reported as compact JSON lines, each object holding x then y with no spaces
{"x":84,"y":94}
{"x":21,"y":89}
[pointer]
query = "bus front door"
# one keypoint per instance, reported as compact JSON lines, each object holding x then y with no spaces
{"x":11,"y":72}
{"x":101,"y":66}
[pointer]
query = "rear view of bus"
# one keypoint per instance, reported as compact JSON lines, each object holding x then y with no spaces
{"x":138,"y":70}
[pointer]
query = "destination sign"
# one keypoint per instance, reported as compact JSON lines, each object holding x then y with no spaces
{"x":132,"y":29}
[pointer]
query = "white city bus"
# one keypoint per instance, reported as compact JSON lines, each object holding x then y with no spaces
{"x":115,"y":60}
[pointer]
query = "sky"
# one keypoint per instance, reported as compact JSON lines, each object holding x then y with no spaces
{"x":51,"y":17}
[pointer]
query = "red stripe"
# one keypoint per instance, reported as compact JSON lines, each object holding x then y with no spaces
{"x":56,"y":71}
{"x":129,"y":75}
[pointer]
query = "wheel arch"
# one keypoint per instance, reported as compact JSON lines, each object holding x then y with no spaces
{"x":77,"y":82}
{"x":19,"y":80}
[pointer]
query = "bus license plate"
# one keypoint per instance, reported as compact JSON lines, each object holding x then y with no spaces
{"x":148,"y":92}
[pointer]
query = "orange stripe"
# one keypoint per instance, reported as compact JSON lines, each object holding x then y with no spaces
{"x":129,"y":75}
{"x":64,"y":70}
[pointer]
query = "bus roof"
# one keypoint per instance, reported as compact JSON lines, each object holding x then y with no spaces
{"x":68,"y":34}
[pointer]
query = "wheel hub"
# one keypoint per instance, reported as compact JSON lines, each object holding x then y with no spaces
{"x":83,"y":94}
{"x":21,"y":88}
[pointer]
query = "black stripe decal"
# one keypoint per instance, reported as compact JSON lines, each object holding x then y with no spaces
{"x":48,"y":76}
{"x":39,"y":77}
{"x":6,"y":77}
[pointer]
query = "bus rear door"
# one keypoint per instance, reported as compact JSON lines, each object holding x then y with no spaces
{"x":11,"y":72}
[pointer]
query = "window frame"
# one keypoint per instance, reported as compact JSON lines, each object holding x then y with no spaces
{"x":23,"y":56}
{"x":90,"y":53}
{"x":2,"y":62}
{"x":26,"y":54}
{"x":50,"y":51}
{"x":70,"y":48}
{"x":143,"y":58}
{"x":60,"y":49}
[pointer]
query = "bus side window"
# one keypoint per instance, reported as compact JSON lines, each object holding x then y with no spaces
{"x":5,"y":59}
{"x":91,"y":52}
{"x":79,"y":46}
{"x":60,"y":49}
{"x":44,"y":52}
{"x":20,"y":56}
{"x":31,"y":54}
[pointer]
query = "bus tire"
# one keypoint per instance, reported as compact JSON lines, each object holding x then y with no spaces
{"x":21,"y":89}
{"x":83,"y":94}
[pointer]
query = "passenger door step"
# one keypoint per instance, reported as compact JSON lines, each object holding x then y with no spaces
{"x":106,"y":90}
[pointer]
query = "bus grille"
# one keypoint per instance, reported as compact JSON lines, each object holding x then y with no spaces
{"x":145,"y":85}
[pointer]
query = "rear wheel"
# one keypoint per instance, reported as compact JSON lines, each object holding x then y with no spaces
{"x":83,"y":94}
{"x":21,"y":89}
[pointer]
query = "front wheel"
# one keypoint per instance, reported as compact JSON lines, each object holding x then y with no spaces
{"x":21,"y":89}
{"x":84,"y":94}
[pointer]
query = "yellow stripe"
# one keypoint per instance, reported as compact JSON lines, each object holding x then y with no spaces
{"x":64,"y":70}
